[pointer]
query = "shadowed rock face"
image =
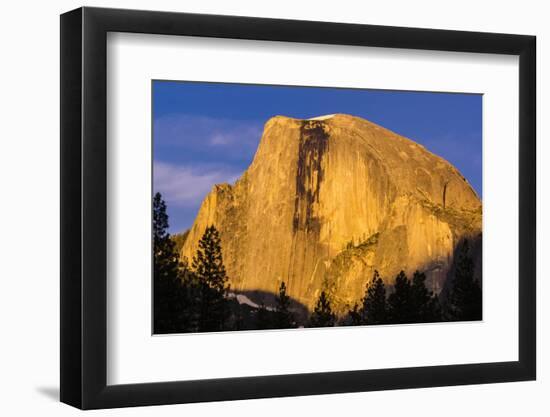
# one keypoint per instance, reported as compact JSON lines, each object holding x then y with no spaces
{"x":326,"y":201}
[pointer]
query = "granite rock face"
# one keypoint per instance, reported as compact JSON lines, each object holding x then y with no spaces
{"x":327,"y":201}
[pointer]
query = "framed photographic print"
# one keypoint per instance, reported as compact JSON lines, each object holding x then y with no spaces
{"x":257,"y":208}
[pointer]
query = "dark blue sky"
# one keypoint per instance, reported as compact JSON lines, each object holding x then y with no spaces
{"x":207,"y":133}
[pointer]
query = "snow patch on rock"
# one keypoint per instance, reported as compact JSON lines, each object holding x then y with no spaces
{"x":325,"y":117}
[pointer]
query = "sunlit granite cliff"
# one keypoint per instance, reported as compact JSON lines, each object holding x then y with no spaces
{"x":328,"y":200}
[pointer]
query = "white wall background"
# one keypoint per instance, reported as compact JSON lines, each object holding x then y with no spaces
{"x":29,"y":213}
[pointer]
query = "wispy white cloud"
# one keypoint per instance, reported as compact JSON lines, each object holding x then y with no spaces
{"x":201,"y":133}
{"x":186,"y":186}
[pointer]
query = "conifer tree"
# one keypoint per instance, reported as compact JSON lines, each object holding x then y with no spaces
{"x":374,"y":309}
{"x":399,"y":302}
{"x":465,"y":302}
{"x":169,"y":315}
{"x":434,"y":310}
{"x":209,"y":271}
{"x":425,"y":305}
{"x":284,"y":318}
{"x":193,"y":297}
{"x":165,"y":257}
{"x":322,"y":315}
{"x":355,"y":316}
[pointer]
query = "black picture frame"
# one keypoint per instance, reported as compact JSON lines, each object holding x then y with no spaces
{"x":84,"y":207}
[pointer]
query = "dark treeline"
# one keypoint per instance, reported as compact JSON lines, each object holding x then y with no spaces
{"x":187,"y":298}
{"x":197,"y":298}
{"x":410,"y":302}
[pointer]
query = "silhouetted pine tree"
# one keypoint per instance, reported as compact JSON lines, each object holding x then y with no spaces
{"x":355,"y":317}
{"x":284,"y":319}
{"x":193,"y":297}
{"x":169,"y":313}
{"x":399,"y":302}
{"x":322,"y":315}
{"x":465,"y":302}
{"x":373,"y":310}
{"x":210,"y":273}
{"x":425,"y":305}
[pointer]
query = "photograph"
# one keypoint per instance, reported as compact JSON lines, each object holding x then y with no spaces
{"x":281,"y":207}
{"x":247,"y":209}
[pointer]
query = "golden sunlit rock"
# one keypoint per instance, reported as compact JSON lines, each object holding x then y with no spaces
{"x":328,"y":200}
